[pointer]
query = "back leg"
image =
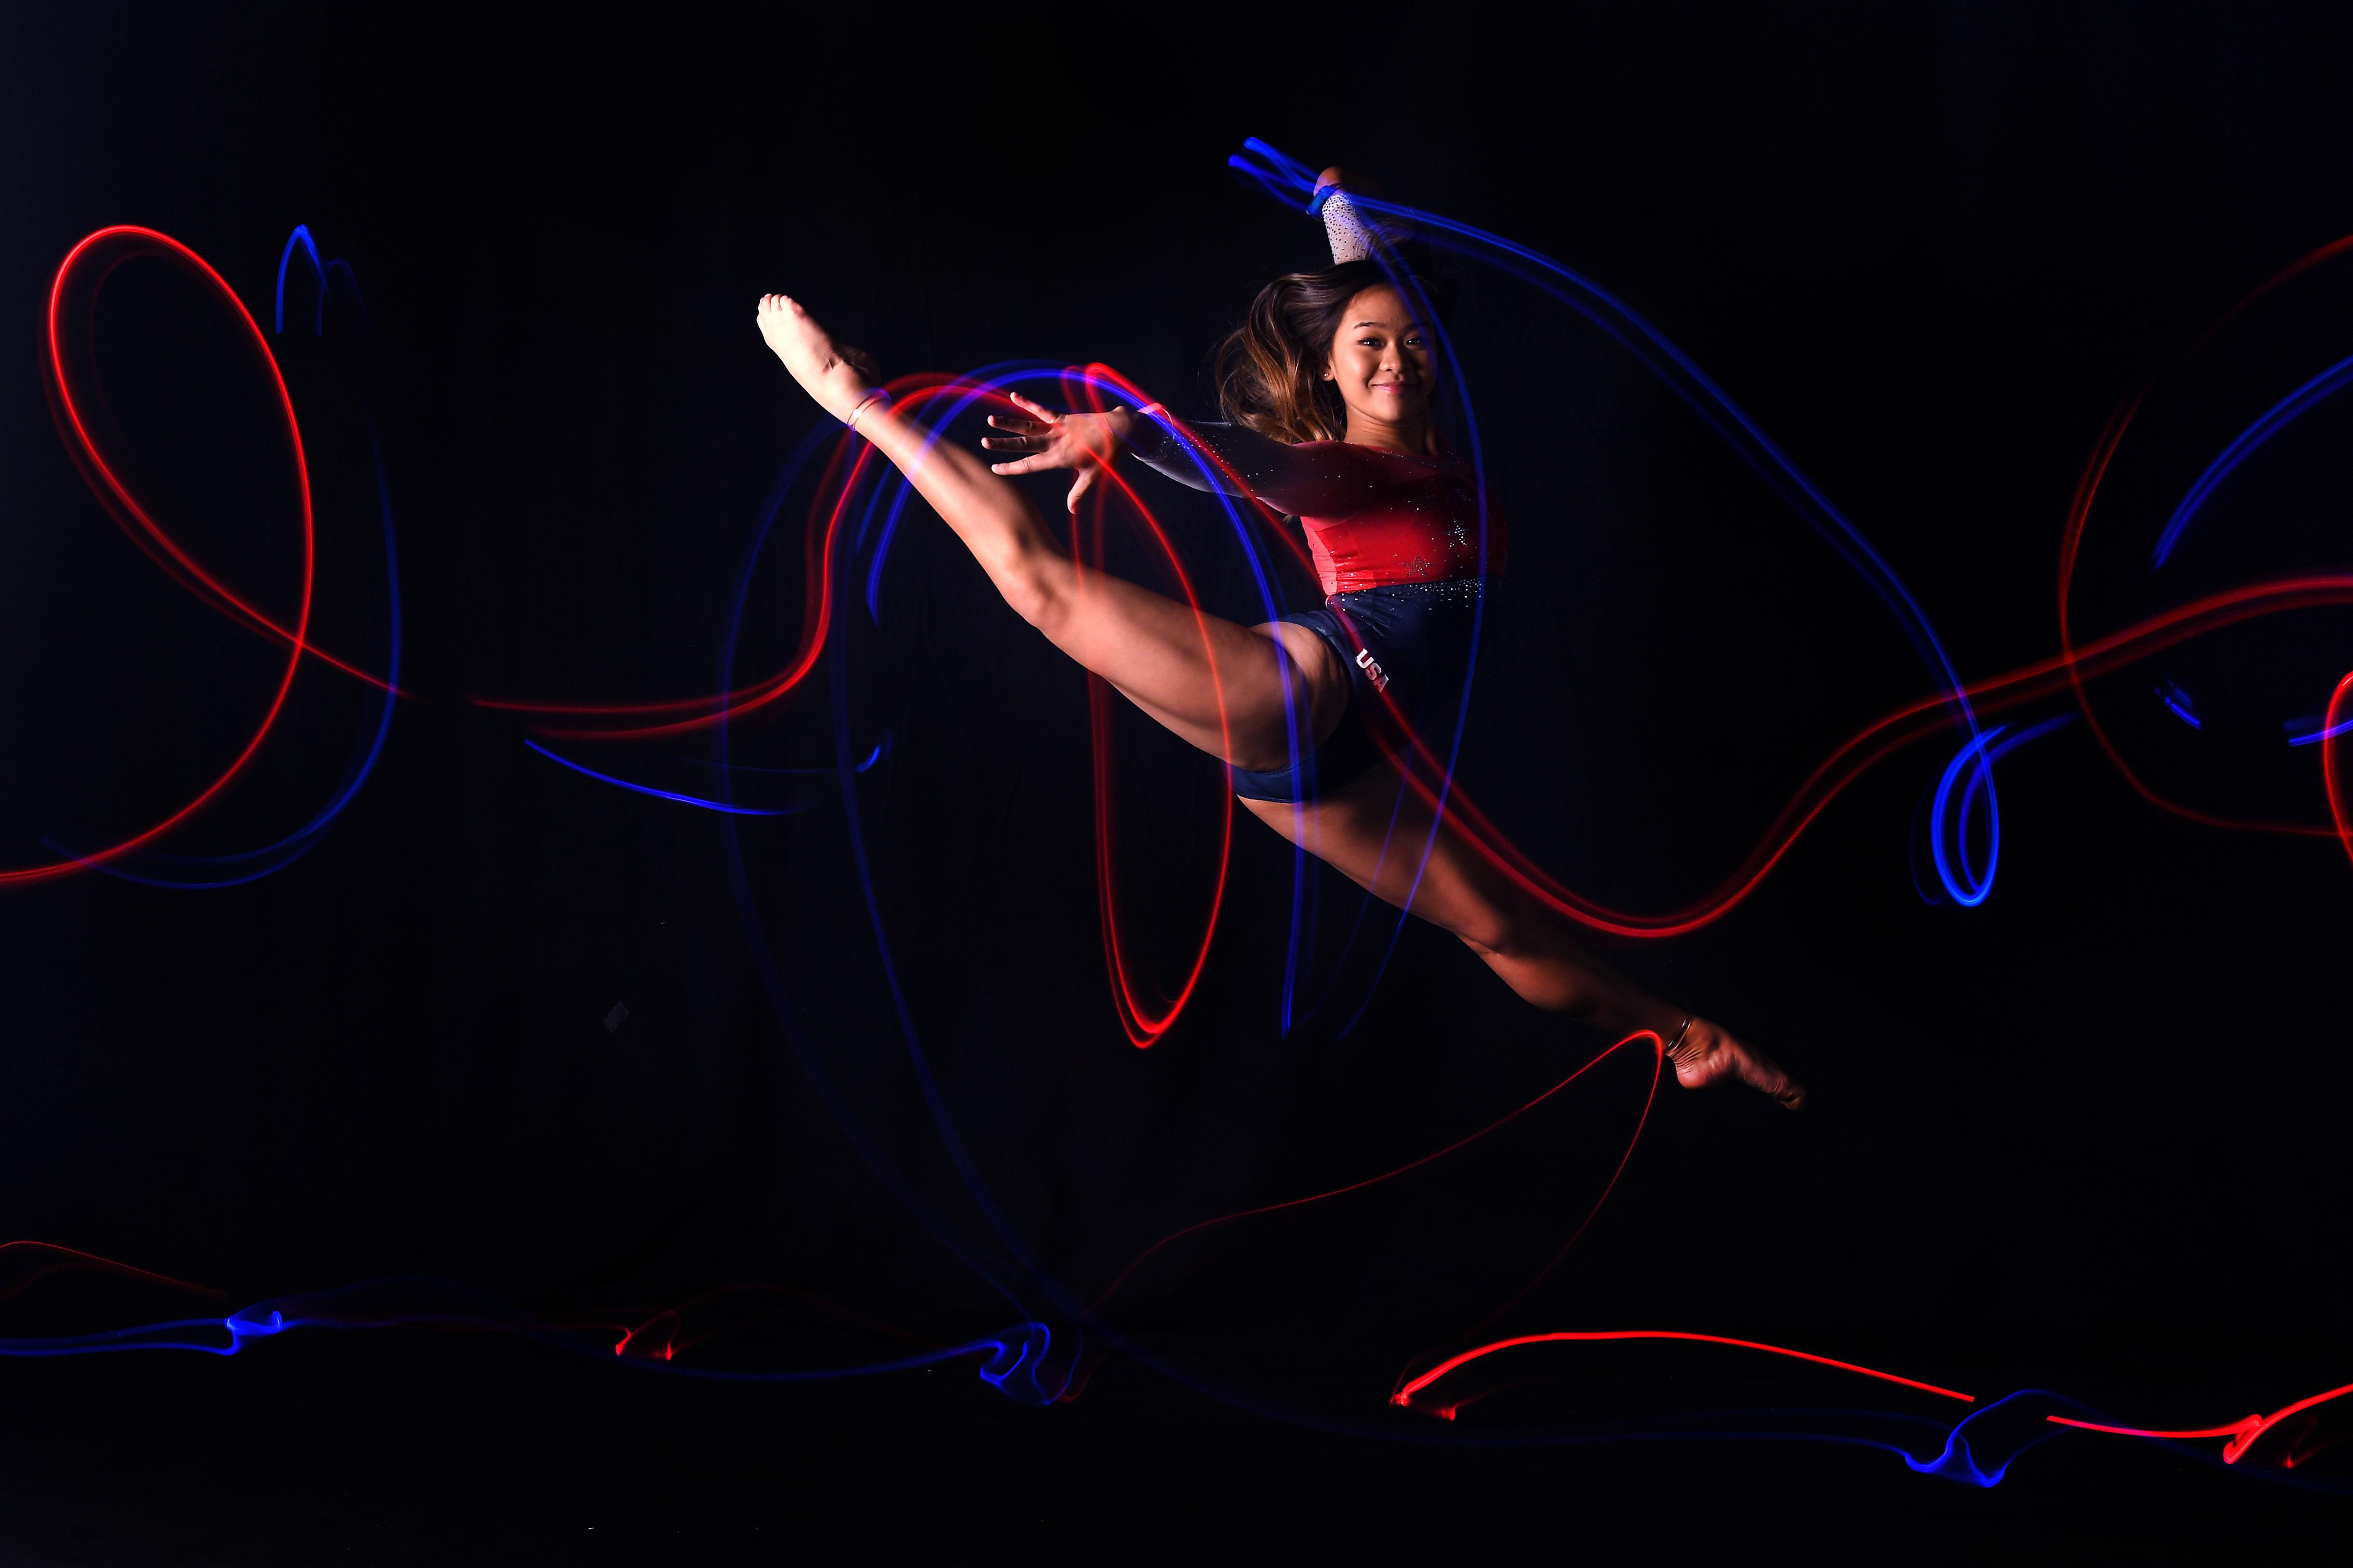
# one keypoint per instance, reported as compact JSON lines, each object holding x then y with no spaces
{"x":1459,"y":888}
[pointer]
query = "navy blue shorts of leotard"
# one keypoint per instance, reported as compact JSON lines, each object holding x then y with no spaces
{"x":1407,"y":648}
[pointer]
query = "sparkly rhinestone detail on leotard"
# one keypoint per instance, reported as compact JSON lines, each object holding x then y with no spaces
{"x":1447,"y":593}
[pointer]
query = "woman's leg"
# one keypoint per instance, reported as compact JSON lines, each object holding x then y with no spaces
{"x":1460,"y":890}
{"x":1222,"y":686}
{"x":1219,"y":685}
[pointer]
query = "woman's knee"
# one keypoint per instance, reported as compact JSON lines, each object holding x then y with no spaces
{"x":1496,"y":925}
{"x":1026,"y":585}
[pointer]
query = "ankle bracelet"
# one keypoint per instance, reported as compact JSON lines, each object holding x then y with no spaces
{"x":862,"y":403}
{"x":1668,"y":1051}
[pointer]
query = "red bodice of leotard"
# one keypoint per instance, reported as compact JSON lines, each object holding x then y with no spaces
{"x":1375,"y":518}
{"x":1418,"y":522}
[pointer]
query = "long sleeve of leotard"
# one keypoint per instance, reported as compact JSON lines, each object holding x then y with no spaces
{"x":1320,"y":478}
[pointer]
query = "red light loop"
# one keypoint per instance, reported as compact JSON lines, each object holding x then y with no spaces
{"x":2332,"y":728}
{"x":106,"y":249}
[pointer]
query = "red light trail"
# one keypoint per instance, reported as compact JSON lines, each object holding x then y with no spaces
{"x":852,"y":468}
{"x":2242,"y":1434}
{"x":1405,"y":1394}
{"x":70,"y":380}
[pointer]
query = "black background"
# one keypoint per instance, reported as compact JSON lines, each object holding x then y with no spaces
{"x":2086,"y":1137}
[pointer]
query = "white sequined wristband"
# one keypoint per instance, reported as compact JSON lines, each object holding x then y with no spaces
{"x":1352,"y":238}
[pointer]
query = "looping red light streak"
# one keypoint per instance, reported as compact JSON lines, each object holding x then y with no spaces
{"x":2068,"y":670}
{"x":1145,"y":1024}
{"x":2243,"y":1433}
{"x":837,"y":489}
{"x":1144,"y":1019}
{"x":2340,"y":811}
{"x":2079,"y":512}
{"x":2074,"y":664}
{"x":112,"y":247}
{"x":1872,"y":744}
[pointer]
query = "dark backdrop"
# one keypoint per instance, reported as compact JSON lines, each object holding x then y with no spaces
{"x":2084,"y":1137}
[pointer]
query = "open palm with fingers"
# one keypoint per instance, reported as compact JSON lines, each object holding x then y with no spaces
{"x":1086,"y":442}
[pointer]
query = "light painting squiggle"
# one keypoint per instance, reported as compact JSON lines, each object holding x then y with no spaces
{"x":851,"y":524}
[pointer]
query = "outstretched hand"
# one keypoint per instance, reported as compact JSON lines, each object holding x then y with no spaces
{"x":1086,"y":442}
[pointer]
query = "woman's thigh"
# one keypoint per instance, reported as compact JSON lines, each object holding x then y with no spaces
{"x":1379,"y":833}
{"x":1232,"y":706}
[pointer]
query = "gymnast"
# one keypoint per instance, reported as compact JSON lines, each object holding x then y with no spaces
{"x":1328,"y":384}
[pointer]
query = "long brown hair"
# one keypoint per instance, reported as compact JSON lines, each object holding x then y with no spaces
{"x":1270,"y":368}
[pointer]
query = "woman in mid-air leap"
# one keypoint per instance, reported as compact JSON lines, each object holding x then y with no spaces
{"x":1329,"y":384}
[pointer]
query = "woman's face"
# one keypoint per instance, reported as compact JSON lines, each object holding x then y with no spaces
{"x":1381,"y":361}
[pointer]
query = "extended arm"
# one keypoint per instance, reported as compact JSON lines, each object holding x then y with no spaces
{"x":1323,"y":479}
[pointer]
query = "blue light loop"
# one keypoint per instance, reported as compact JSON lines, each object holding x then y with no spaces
{"x":1975,"y":760}
{"x":1290,"y":181}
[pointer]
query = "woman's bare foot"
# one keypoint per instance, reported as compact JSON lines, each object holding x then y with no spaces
{"x":1709,"y":1055}
{"x":838,"y":377}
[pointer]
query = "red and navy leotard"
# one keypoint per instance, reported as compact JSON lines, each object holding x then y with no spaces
{"x":1397,"y":540}
{"x":1374,"y":518}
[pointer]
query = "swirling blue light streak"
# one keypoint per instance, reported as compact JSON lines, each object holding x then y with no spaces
{"x":2274,"y":419}
{"x":944,"y":1121}
{"x":728,"y":773}
{"x":1286,"y":178}
{"x":1967,"y":886}
{"x":695,"y":800}
{"x":1018,"y":1362}
{"x":1685,"y":378}
{"x":983,"y":385}
{"x":2178,"y":702}
{"x":1024,"y":1352}
{"x":1957,"y":1463}
{"x":1009,"y":1353}
{"x":300,"y":238}
{"x":2316,"y":733}
{"x":1955,"y":1459}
